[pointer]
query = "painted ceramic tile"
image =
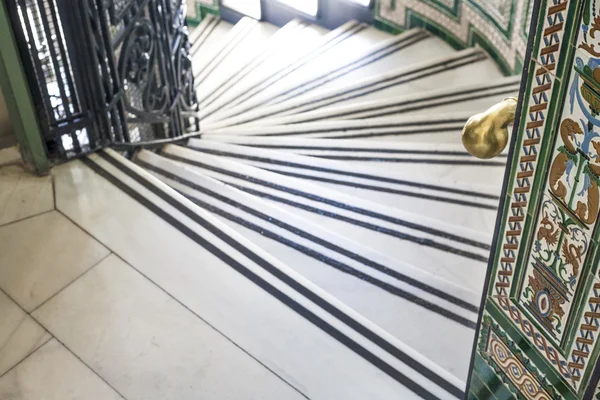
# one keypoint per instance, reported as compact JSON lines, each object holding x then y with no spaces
{"x":497,"y":25}
{"x":544,"y":294}
{"x":511,"y":365}
{"x":584,"y":338}
{"x":555,"y":264}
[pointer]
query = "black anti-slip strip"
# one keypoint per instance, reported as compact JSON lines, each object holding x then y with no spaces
{"x":325,"y":259}
{"x":344,"y":173}
{"x":225,"y":49}
{"x":285,"y":299}
{"x":400,"y":235}
{"x":419,"y":123}
{"x":285,"y":71}
{"x":387,"y":231}
{"x":196,"y":45}
{"x":457,"y":129}
{"x":346,"y":69}
{"x":414,"y":105}
{"x":199,"y":31}
{"x":366,"y":89}
{"x":478,"y":163}
{"x":265,"y":53}
{"x":359,"y":149}
{"x":384,"y":190}
{"x":299,"y":232}
{"x":395,"y":80}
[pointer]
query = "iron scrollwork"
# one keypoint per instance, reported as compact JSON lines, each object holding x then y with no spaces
{"x":138,"y":68}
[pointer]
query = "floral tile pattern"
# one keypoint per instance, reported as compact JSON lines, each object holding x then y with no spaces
{"x":500,"y":26}
{"x":543,"y":304}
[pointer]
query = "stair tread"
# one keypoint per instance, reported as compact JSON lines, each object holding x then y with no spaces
{"x":199,"y":275}
{"x":258,"y":59}
{"x":347,"y":56}
{"x":432,"y":161}
{"x":214,"y":36}
{"x":302,"y":46}
{"x":423,"y":242}
{"x":426,"y":129}
{"x":261,"y":223}
{"x":462,"y":68}
{"x":468,"y":98}
{"x":242,"y":53}
{"x":440,"y":199}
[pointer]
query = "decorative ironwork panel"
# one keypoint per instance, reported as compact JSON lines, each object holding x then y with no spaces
{"x":114,"y":72}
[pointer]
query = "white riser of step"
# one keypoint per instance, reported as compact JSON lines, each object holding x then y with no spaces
{"x":345,"y":57}
{"x":442,"y":128}
{"x":467,"y":99}
{"x":205,"y":62}
{"x":300,"y":48}
{"x":462,"y":68}
{"x":275,"y":43}
{"x":251,"y":56}
{"x":409,"y":322}
{"x":429,"y":48}
{"x":199,"y":34}
{"x":212,"y":38}
{"x":230,"y":58}
{"x":442,"y":162}
{"x":456,"y":254}
{"x":255,"y":300}
{"x":465,"y":205}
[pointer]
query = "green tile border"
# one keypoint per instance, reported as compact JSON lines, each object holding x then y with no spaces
{"x":18,"y":99}
{"x":414,"y":20}
{"x":202,"y":10}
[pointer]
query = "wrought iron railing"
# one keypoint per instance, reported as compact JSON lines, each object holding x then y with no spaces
{"x":106,"y":72}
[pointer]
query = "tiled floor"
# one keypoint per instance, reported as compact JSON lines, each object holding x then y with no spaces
{"x":78,"y":322}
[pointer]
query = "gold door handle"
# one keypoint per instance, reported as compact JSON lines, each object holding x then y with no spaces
{"x":485,"y":135}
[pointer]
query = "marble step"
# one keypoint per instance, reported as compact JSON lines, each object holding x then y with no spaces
{"x":285,"y":54}
{"x":358,"y":40}
{"x":252,"y":54}
{"x":257,"y":301}
{"x":448,"y":251}
{"x":211,"y":31}
{"x":236,"y":47}
{"x":432,"y":161}
{"x":460,"y":68}
{"x":438,"y":128}
{"x":348,"y":56}
{"x":199,"y":34}
{"x":397,"y":297}
{"x":466,"y":99}
{"x":456,"y":203}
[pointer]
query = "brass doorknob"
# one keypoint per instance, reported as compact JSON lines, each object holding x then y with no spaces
{"x":485,"y":135}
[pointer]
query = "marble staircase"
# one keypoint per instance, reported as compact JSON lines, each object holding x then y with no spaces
{"x":330,"y":176}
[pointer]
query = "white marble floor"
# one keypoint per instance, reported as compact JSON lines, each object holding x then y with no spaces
{"x":102,"y":299}
{"x":79,"y":322}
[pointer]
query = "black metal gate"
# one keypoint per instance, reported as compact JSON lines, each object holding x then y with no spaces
{"x":106,"y":72}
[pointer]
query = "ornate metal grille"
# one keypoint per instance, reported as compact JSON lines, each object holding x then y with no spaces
{"x":107,"y":72}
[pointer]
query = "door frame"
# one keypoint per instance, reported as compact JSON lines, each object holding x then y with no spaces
{"x":331,"y":14}
{"x":21,"y":110}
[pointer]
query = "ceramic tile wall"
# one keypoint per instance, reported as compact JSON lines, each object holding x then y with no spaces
{"x":501,"y":27}
{"x":538,"y":338}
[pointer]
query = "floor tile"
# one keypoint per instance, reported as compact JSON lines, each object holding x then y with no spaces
{"x":10,"y":155}
{"x":39,"y":256}
{"x":53,"y":373}
{"x":22,"y":194}
{"x":148,"y":346}
{"x":20,"y":334}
